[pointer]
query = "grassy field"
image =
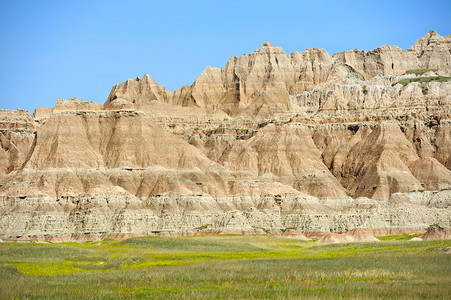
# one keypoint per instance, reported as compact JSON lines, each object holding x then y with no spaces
{"x":224,"y":267}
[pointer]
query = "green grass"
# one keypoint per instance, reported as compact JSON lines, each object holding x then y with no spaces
{"x":364,"y":89}
{"x":405,"y":82}
{"x":224,"y":267}
{"x":419,"y":72}
{"x":398,"y":237}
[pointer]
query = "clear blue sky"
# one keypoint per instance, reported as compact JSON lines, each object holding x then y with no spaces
{"x":62,"y":49}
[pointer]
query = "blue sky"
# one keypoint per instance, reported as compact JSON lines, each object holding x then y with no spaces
{"x":63,"y":49}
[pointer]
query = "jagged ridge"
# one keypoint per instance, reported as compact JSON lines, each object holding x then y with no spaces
{"x":246,"y":139}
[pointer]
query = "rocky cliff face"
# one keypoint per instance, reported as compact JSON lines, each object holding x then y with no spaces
{"x":308,"y":140}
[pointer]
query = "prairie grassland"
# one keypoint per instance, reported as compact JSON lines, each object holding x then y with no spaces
{"x":224,"y":267}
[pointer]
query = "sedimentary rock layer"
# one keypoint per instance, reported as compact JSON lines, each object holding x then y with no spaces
{"x":270,"y":141}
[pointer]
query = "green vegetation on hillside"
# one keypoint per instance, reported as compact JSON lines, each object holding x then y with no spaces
{"x":364,"y":89}
{"x":405,"y":82}
{"x":419,"y":72}
{"x":223,"y":267}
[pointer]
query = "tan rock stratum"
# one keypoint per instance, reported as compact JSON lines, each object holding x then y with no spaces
{"x":306,"y":141}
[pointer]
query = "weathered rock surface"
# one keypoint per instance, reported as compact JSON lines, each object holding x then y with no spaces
{"x":351,"y":236}
{"x":433,"y":51}
{"x":437,"y":234}
{"x":124,"y":214}
{"x":271,"y":141}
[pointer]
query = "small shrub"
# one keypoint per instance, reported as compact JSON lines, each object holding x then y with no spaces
{"x":424,"y":89}
{"x":434,"y":226}
{"x":288,"y":228}
{"x":205,"y":226}
{"x":364,"y":89}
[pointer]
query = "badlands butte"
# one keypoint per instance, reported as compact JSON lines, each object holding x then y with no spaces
{"x":305,"y":142}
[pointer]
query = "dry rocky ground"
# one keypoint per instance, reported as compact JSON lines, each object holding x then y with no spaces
{"x":306,"y":142}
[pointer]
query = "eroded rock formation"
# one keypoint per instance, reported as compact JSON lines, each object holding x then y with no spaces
{"x":270,"y":141}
